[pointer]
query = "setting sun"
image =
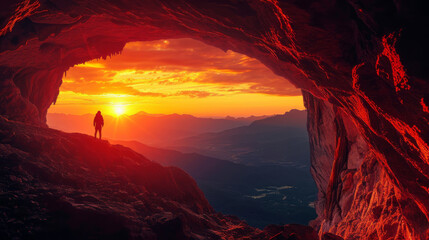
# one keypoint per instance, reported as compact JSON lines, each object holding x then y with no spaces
{"x":119,"y":110}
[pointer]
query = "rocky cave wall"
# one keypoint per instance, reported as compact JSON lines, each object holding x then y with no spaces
{"x":361,"y":65}
{"x":356,"y":200}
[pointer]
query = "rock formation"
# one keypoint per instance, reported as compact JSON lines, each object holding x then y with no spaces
{"x":361,"y":65}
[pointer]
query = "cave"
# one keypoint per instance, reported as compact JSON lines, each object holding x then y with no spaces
{"x":361,"y":66}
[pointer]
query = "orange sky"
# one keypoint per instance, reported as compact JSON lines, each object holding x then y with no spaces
{"x":181,"y":76}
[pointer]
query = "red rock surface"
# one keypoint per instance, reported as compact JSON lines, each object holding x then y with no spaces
{"x":361,"y":64}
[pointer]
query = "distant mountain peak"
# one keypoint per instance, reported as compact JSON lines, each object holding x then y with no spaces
{"x":292,"y":118}
{"x":143,"y":113}
{"x":294,"y":111}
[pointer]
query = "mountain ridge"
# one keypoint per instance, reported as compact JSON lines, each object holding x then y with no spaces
{"x":246,"y":191}
{"x":280,"y":139}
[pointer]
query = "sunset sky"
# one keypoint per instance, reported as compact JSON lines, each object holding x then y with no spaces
{"x":181,"y":76}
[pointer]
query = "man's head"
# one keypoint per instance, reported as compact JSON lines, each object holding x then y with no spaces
{"x":98,"y":112}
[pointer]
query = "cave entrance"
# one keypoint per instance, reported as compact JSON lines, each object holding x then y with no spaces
{"x":223,"y":114}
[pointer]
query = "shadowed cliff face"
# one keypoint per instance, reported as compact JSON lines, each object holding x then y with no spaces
{"x":361,"y":64}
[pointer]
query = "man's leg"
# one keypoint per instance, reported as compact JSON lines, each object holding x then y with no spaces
{"x":99,"y":132}
{"x":95,"y":134}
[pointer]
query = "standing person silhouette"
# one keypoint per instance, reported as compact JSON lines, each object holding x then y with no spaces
{"x":98,"y":123}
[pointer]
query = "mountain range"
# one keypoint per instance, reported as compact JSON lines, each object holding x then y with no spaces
{"x":257,"y":140}
{"x":261,"y":195}
{"x":256,"y":168}
{"x":280,"y":140}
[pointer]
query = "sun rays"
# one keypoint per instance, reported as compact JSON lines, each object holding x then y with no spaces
{"x":119,"y":109}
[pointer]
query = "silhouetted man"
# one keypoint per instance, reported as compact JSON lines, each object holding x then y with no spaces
{"x":98,"y":123}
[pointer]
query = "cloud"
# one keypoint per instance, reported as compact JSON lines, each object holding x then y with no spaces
{"x":100,"y":87}
{"x":197,"y":94}
{"x":163,"y":68}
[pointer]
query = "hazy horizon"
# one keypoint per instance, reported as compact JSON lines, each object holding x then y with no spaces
{"x":175,"y":113}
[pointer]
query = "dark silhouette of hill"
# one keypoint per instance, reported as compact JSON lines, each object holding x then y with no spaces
{"x":260,"y":195}
{"x":280,"y":140}
{"x":56,"y":185}
{"x":148,"y":128}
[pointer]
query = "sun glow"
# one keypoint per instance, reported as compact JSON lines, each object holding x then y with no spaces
{"x":118,"y":109}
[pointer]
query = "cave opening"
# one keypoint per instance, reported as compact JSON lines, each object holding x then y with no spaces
{"x":168,"y":94}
